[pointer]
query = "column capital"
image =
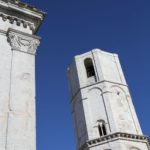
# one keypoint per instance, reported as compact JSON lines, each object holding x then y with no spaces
{"x":23,"y":42}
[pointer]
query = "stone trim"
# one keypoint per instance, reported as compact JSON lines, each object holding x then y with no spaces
{"x":18,"y":3}
{"x":99,"y":82}
{"x":23,"y":42}
{"x":17,"y":21}
{"x":112,"y":137}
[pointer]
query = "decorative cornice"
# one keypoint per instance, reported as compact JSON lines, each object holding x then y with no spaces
{"x":23,"y":42}
{"x":17,"y":21}
{"x":18,"y":3}
{"x":22,"y":14}
{"x":115,"y":136}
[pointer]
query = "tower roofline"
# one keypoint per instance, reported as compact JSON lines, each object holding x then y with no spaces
{"x":95,"y":50}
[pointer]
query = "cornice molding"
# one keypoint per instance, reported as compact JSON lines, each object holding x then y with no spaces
{"x":18,"y":3}
{"x":17,"y":21}
{"x":23,"y":42}
{"x":22,"y":13}
{"x":115,"y":136}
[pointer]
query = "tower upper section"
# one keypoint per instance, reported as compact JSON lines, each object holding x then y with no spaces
{"x":101,"y":105}
{"x":94,"y":67}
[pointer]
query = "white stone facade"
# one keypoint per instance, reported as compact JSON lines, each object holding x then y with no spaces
{"x":18,"y":44}
{"x":100,"y":100}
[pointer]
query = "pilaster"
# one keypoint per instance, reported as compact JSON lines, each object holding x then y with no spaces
{"x":21,"y":118}
{"x":19,"y":23}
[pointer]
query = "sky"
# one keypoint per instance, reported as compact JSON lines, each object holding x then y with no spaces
{"x":73,"y":27}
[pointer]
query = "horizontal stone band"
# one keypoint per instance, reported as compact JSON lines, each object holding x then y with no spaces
{"x":18,"y":21}
{"x":112,"y":137}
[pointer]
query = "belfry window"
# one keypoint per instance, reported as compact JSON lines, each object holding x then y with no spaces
{"x":89,"y":67}
{"x":102,"y":129}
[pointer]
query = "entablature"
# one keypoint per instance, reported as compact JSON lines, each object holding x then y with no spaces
{"x":21,"y":13}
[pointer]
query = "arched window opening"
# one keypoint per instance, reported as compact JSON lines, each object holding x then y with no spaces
{"x":102,"y":129}
{"x":89,"y":67}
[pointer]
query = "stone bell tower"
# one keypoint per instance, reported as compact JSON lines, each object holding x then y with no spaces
{"x":102,"y":109}
{"x":18,"y":43}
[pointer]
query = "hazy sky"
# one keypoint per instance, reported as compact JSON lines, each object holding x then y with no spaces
{"x":73,"y":27}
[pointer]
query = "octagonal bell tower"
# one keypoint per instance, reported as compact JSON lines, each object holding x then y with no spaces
{"x":19,"y":23}
{"x":101,"y":106}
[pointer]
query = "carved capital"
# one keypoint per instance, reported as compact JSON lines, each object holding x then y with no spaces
{"x":23,"y":42}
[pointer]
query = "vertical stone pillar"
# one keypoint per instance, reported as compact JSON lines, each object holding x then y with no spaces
{"x":21,"y":128}
{"x":19,"y":23}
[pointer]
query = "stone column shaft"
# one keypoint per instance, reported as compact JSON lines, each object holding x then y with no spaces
{"x":21,"y":128}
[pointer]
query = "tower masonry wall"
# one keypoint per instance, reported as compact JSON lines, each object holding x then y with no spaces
{"x":107,"y":68}
{"x":101,"y":103}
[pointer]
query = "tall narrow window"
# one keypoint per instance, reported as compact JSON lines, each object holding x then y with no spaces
{"x":89,"y":67}
{"x":102,"y":128}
